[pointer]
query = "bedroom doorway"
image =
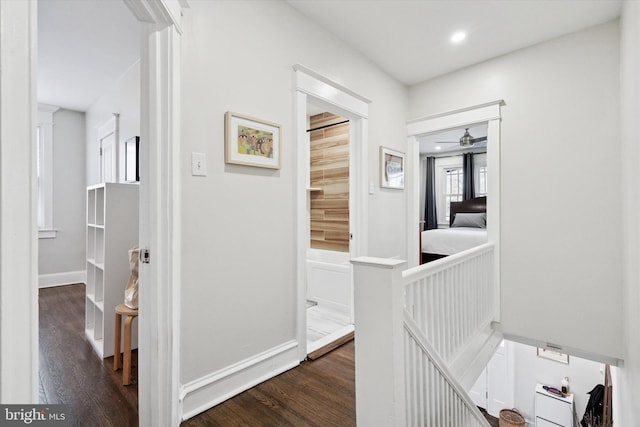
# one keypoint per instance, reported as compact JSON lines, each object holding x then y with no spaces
{"x":467,"y":118}
{"x":331,"y":130}
{"x":453,"y":169}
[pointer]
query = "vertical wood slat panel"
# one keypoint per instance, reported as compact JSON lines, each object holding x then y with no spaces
{"x":329,"y":154}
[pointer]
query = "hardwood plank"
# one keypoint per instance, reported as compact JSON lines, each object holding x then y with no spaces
{"x":330,"y":225}
{"x":317,"y":393}
{"x":316,"y":176}
{"x":71,"y":373}
{"x":336,"y":172}
{"x":336,"y":236}
{"x":336,"y":215}
{"x":332,"y":204}
{"x":333,"y":162}
{"x":317,"y":214}
{"x":317,"y":234}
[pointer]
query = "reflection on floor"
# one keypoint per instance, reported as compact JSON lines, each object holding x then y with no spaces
{"x":325,"y":325}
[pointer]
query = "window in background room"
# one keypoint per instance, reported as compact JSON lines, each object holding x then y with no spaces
{"x":453,"y":179}
{"x":480,"y":172}
{"x":44,"y":166}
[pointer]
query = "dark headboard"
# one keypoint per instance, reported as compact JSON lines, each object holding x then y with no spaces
{"x":476,"y":205}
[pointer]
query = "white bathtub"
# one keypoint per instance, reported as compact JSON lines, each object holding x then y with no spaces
{"x":329,"y":279}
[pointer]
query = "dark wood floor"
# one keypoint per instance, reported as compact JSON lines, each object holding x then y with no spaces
{"x":71,"y":373}
{"x":317,"y":393}
{"x":493,"y":421}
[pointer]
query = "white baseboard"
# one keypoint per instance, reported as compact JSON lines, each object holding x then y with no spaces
{"x":59,"y":279}
{"x":206,"y":392}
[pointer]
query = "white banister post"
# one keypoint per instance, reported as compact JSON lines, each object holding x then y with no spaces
{"x":379,"y":342}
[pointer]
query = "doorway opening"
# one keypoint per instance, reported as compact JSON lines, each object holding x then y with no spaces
{"x":329,"y":302}
{"x":332,"y":218}
{"x":453,"y":183}
{"x":94,"y":88}
{"x":490,"y":114}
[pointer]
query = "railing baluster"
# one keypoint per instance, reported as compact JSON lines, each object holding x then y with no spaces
{"x":446,"y":302}
{"x":449,"y":300}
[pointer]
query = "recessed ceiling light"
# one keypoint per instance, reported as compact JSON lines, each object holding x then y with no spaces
{"x":438,"y":147}
{"x":458,"y":37}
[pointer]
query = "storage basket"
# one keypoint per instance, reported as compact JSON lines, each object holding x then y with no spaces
{"x":511,"y":418}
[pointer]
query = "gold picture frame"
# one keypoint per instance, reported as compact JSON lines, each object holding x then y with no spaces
{"x":252,"y":142}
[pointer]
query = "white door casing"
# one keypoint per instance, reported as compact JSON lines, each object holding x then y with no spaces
{"x":18,"y":204}
{"x":478,"y":392}
{"x":159,"y":320}
{"x":493,"y":390}
{"x":489,"y":113}
{"x":109,"y":136}
{"x":311,"y":86}
{"x":500,"y":383}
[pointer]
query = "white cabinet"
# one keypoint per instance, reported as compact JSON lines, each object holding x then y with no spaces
{"x":112,"y":229}
{"x":552,"y":410}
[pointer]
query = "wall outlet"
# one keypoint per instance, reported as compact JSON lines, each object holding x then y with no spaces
{"x":198,"y":164}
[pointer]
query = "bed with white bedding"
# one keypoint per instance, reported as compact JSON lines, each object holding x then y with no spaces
{"x":467,"y":229}
{"x":449,"y":241}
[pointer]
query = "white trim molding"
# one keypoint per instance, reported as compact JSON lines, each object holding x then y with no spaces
{"x":18,"y":204}
{"x":159,"y":320}
{"x":208,"y":391}
{"x":311,"y":87}
{"x":61,"y":279}
{"x":45,"y":161}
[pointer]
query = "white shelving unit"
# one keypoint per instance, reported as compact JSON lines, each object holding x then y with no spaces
{"x":112,"y":229}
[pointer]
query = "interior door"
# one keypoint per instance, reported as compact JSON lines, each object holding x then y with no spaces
{"x":108,"y":158}
{"x":478,"y":392}
{"x":498,"y":386}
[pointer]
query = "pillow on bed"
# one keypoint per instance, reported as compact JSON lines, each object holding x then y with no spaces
{"x":475,"y":220}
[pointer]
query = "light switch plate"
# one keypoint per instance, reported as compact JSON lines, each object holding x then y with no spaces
{"x":198,"y":164}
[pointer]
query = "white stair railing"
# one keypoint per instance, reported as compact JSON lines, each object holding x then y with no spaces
{"x":451,"y":299}
{"x":415,"y":330}
{"x":434,"y":397}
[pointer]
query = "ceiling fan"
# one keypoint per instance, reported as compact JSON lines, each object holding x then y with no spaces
{"x":466,"y":140}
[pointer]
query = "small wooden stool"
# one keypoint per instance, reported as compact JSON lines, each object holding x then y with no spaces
{"x":130,"y":313}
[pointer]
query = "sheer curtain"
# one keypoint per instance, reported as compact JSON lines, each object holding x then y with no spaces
{"x":430,"y":216}
{"x":468,"y":189}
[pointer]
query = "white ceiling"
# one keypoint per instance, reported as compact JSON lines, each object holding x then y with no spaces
{"x":429,"y":143}
{"x":84,"y":46}
{"x":409,"y":39}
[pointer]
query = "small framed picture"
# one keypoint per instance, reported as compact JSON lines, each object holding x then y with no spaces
{"x":553,"y":355}
{"x":391,"y":168}
{"x":252,"y":142}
